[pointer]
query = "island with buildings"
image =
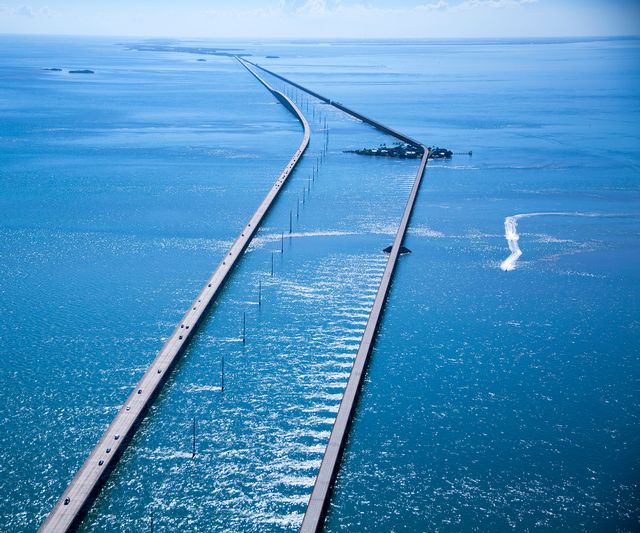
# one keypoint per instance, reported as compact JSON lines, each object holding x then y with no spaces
{"x":403,"y":151}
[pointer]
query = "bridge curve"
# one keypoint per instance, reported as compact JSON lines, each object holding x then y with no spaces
{"x":349,"y":111}
{"x":70,"y":509}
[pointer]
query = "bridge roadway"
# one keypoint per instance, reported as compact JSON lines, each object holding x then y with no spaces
{"x":314,"y":516}
{"x":85,"y":486}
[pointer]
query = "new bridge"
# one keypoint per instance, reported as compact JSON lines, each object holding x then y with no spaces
{"x":84,"y":487}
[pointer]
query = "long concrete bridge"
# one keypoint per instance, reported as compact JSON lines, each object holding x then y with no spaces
{"x":314,"y":516}
{"x":85,"y":486}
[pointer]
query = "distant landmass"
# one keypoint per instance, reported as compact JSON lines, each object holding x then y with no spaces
{"x":225,"y":52}
{"x":82,"y":71}
{"x":53,"y":69}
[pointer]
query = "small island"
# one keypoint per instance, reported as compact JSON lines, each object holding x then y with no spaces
{"x":272,"y":57}
{"x":82,"y":71}
{"x":400,"y":150}
{"x":201,"y":59}
{"x":53,"y":69}
{"x":403,"y":151}
{"x":440,"y":153}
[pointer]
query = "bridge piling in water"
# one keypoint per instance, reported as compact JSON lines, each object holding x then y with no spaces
{"x":222,"y":373}
{"x":193,"y":449}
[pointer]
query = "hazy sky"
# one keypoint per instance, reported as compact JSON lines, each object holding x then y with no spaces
{"x":323,"y":18}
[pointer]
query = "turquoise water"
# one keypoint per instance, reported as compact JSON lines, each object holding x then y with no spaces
{"x":495,"y":400}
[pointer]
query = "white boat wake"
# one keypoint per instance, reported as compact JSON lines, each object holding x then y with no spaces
{"x":511,"y":232}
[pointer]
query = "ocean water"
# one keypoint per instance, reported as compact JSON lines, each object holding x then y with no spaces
{"x":494,"y":400}
{"x":505,"y":400}
{"x":122,"y":189}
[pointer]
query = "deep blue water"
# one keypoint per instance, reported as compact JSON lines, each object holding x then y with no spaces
{"x":495,"y":400}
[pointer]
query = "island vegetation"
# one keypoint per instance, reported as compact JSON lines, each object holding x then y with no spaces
{"x":440,"y":153}
{"x":403,"y":151}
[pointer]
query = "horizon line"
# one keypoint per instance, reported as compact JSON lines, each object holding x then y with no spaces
{"x":327,"y":38}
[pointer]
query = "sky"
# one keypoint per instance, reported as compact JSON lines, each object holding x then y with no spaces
{"x":323,"y":18}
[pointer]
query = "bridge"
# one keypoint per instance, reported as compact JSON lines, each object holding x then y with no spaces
{"x":85,"y":486}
